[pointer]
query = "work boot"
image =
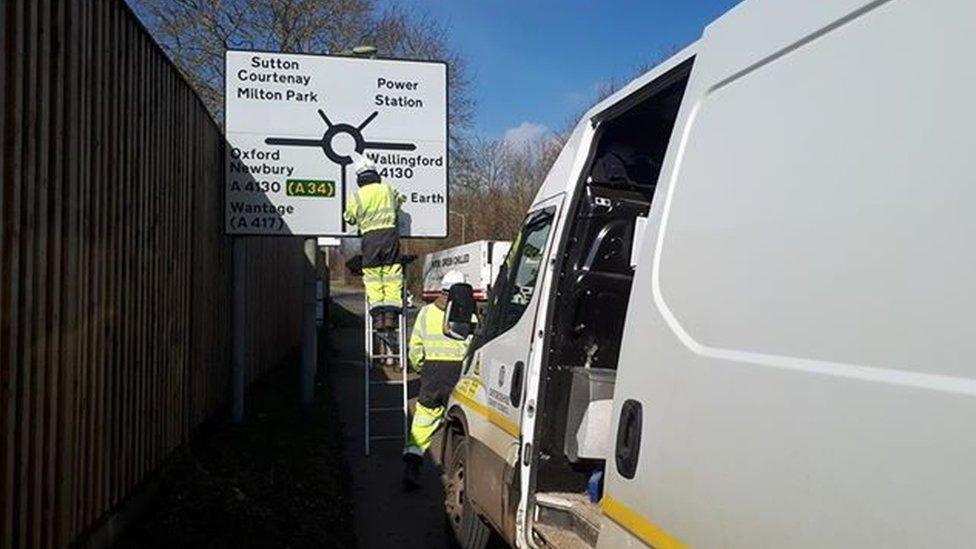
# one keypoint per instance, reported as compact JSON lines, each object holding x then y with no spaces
{"x":411,"y":471}
{"x":391,"y":320}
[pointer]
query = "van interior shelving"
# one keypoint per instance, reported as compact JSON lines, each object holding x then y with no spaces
{"x":595,"y":273}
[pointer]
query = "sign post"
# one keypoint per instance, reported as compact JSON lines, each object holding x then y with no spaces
{"x":310,"y":348}
{"x":295,"y":123}
{"x":238,"y":332}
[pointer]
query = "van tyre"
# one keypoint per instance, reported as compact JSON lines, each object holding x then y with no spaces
{"x":469,"y":530}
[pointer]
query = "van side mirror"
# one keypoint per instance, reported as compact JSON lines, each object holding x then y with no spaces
{"x":459,"y":317}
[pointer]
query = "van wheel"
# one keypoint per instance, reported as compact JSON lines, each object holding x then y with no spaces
{"x":468,"y":528}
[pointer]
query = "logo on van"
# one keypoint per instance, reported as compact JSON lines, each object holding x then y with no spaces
{"x":501,"y":376}
{"x":450,"y":260}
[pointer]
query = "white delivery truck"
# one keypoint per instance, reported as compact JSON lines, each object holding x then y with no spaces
{"x":791,"y":362}
{"x":479,"y":261}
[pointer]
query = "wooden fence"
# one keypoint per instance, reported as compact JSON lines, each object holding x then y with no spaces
{"x":115,"y":279}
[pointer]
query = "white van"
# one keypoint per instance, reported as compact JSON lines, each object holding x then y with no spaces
{"x":791,"y":362}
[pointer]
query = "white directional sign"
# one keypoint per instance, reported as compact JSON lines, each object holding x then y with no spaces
{"x":295,"y":123}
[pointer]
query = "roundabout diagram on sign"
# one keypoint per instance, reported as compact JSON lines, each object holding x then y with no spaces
{"x":339,"y":142}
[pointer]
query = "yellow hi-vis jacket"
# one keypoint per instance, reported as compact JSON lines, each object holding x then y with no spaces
{"x":428,"y":342}
{"x":374,"y":207}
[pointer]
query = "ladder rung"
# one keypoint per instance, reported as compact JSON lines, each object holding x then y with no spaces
{"x":385,"y":437}
{"x":390,"y":409}
{"x":385,"y":356}
{"x":386,"y":382}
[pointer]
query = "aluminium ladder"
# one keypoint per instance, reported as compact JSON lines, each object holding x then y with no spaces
{"x":383,"y":356}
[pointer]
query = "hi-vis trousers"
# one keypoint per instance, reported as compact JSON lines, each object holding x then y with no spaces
{"x":384,"y":286}
{"x":382,"y":271}
{"x":437,"y":381}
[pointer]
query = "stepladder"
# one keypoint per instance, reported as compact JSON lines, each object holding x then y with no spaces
{"x":385,"y":348}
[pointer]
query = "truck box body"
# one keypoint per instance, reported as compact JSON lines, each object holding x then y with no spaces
{"x":479,"y":261}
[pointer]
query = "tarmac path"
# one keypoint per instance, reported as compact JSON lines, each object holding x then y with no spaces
{"x":384,"y":514}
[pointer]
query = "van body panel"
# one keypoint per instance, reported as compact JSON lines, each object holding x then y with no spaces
{"x":486,"y":489}
{"x":492,"y":444}
{"x":618,"y":537}
{"x":757,"y":31}
{"x":799,"y":332}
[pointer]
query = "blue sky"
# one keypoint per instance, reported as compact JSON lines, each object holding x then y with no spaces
{"x":537,"y":64}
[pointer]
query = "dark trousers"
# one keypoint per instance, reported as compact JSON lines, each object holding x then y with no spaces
{"x":437,"y":381}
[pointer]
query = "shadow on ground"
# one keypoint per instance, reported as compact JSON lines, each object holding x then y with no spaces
{"x":277,"y":481}
{"x":286,"y":480}
{"x":384,"y":514}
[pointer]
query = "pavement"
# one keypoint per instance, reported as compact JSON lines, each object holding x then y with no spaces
{"x":384,"y":514}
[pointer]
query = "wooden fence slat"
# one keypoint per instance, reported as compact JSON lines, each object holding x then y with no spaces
{"x":114,"y":269}
{"x":86,"y":459}
{"x":54,"y":145}
{"x":69,"y":170}
{"x":14,"y":44}
{"x":6,"y":410}
{"x":28,"y":468}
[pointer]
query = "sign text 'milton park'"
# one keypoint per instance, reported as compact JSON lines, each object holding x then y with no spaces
{"x":295,"y":124}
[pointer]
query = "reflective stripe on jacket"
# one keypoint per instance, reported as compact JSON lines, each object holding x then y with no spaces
{"x":428,"y":342}
{"x":374,"y":207}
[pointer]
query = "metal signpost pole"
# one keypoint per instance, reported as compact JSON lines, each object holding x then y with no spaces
{"x":238,"y":330}
{"x":309,"y":337}
{"x":404,"y":366}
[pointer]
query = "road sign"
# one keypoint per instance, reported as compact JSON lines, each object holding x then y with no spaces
{"x":295,"y":123}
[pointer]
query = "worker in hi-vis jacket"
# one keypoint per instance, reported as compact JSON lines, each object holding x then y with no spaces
{"x":375,"y":208}
{"x":438,"y":358}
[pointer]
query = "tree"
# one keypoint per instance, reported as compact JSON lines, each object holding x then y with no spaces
{"x":196,"y":33}
{"x":493,"y":186}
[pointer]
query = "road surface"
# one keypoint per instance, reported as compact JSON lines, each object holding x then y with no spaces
{"x":384,"y":515}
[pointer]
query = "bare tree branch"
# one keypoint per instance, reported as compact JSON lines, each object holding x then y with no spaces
{"x":196,"y":33}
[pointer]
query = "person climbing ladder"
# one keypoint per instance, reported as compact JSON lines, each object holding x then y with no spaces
{"x":375,"y":208}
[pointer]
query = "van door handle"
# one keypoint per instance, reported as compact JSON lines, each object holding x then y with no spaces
{"x":629,"y":438}
{"x":515,"y":391}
